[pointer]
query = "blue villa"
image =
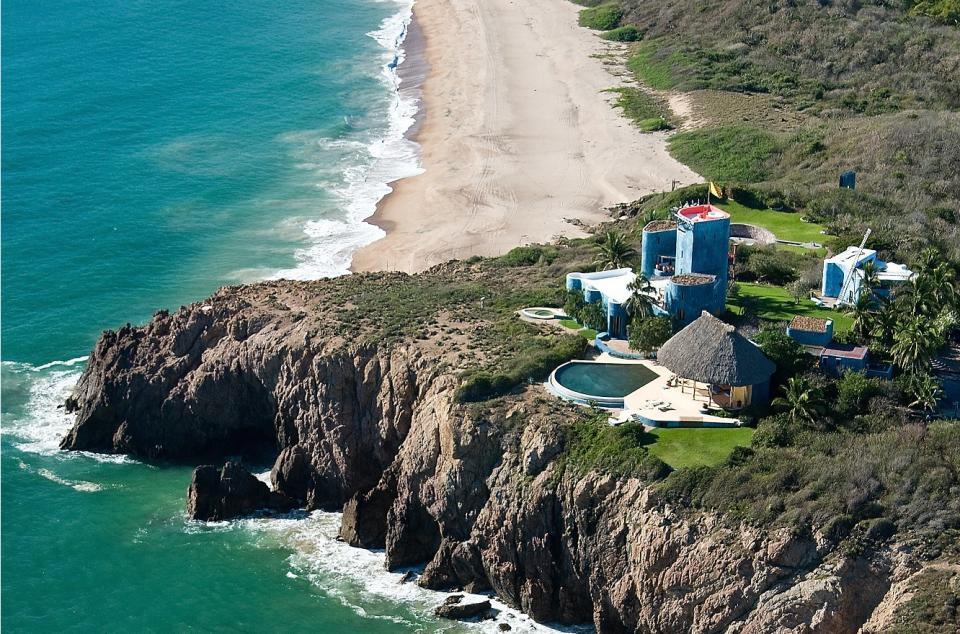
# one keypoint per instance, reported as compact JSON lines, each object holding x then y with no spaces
{"x":611,"y":289}
{"x":816,"y":336}
{"x":686,"y":261}
{"x":843,"y":275}
{"x":690,"y":259}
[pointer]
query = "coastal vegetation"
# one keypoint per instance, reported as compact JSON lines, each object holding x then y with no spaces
{"x":855,"y":477}
{"x":647,"y":112}
{"x":729,"y":153}
{"x":603,"y":17}
{"x":592,"y":444}
{"x":649,"y":333}
{"x":878,"y":98}
{"x":622,"y":34}
{"x":614,"y":251}
{"x":630,"y":451}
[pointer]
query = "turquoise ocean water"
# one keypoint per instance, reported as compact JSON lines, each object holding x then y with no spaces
{"x":154,"y":150}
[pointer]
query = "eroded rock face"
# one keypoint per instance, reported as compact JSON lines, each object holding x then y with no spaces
{"x":292,"y":473}
{"x":476,"y":494}
{"x":230,"y":492}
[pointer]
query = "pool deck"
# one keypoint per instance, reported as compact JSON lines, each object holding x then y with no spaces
{"x":683,"y":409}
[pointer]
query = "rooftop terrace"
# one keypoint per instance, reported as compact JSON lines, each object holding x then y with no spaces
{"x":702,"y":213}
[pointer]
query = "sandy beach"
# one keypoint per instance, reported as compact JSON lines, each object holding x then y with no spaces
{"x":518,"y":136}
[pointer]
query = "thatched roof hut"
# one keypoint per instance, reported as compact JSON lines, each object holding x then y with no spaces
{"x":711,"y":351}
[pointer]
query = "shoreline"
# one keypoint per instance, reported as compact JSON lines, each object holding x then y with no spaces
{"x":412,"y":72}
{"x":518,"y":141}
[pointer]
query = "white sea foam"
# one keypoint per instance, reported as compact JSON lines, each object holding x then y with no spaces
{"x":77,"y":485}
{"x":365,"y":179}
{"x":43,"y":421}
{"x":264,"y":476}
{"x":357,"y":578}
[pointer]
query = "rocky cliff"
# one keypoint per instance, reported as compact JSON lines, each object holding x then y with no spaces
{"x":481,"y":494}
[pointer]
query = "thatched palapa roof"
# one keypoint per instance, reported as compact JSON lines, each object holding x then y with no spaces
{"x":711,"y":351}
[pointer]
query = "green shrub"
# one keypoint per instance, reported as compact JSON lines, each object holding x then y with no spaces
{"x":686,"y":485}
{"x":739,"y":456}
{"x":766,"y":264}
{"x":789,"y":356}
{"x":527,"y":256}
{"x":622,"y":34}
{"x":946,"y":11}
{"x":602,"y":18}
{"x":775,"y":431}
{"x":729,"y":153}
{"x":574,"y":304}
{"x":537,"y":357}
{"x":647,"y":112}
{"x":648,"y":334}
{"x":594,"y":445}
{"x":881,"y":529}
{"x":593,"y":316}
{"x":854,"y":390}
{"x":838,"y":527}
{"x":658,"y":67}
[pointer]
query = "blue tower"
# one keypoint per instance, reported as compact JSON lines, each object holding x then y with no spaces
{"x":703,"y":241}
{"x":658,"y":249}
{"x":693,"y":253}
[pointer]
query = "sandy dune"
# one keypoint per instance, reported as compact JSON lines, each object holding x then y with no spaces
{"x":517,"y":136}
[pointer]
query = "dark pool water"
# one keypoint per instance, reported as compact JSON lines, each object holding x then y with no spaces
{"x":604,"y":379}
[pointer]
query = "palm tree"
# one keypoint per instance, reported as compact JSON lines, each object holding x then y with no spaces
{"x":927,"y":260}
{"x":871,"y":276}
{"x":800,"y":400}
{"x":640,"y":303}
{"x":925,"y":390}
{"x":914,"y":345}
{"x":884,"y":324}
{"x":941,"y":281}
{"x":614,"y":252}
{"x":862,"y":313}
{"x":932,"y":290}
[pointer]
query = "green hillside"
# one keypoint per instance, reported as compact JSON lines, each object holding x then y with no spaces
{"x":786,"y":95}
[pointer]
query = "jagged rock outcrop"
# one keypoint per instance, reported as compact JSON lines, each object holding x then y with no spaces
{"x":478,"y":494}
{"x":292,"y":474}
{"x":456,"y":608}
{"x":230,"y":492}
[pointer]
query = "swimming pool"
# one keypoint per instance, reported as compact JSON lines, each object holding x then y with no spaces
{"x":605,"y":383}
{"x":540,"y":312}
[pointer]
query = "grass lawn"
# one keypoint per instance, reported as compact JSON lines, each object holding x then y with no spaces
{"x":776,"y":304}
{"x":587,"y":333}
{"x":785,"y":225}
{"x":697,"y":446}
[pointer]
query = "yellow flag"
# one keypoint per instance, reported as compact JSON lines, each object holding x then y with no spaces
{"x":715,"y":190}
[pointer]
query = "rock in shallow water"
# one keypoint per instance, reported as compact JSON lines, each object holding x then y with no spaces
{"x":452,"y":608}
{"x":230,"y":492}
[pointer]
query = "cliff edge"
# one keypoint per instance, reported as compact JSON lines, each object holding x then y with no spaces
{"x":360,"y":410}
